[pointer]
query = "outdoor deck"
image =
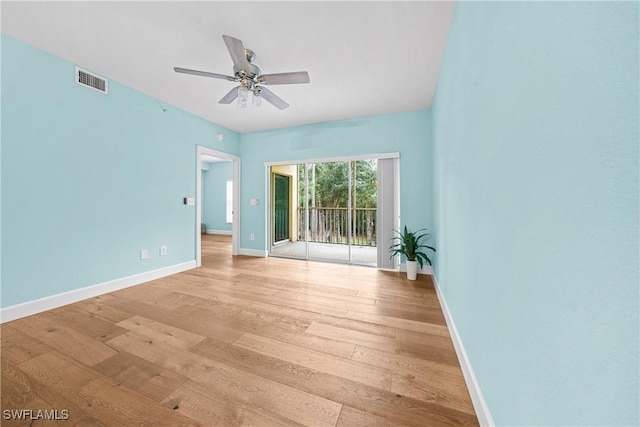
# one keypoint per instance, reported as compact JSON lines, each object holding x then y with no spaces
{"x":361,"y":255}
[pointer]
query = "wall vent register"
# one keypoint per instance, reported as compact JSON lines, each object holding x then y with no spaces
{"x":92,"y":81}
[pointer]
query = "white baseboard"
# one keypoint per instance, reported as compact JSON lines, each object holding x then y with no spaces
{"x":54,"y":301}
{"x":479,"y":404}
{"x":224,"y":232}
{"x":253,"y":252}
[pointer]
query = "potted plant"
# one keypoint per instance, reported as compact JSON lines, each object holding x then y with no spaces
{"x":409,"y":246}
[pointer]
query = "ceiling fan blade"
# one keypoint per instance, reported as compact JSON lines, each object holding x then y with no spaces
{"x":273,"y":98}
{"x":203,"y":73}
{"x":295,"y":77}
{"x":236,"y":50}
{"x":230,"y":97}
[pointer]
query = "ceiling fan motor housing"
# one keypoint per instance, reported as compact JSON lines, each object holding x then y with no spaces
{"x":253,"y":71}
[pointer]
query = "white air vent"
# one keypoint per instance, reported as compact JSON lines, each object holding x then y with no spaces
{"x":92,"y":81}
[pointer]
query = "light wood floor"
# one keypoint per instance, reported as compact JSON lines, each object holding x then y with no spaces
{"x":242,"y":341}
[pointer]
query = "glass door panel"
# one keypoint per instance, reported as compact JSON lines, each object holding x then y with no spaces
{"x":364,"y":212}
{"x":329,"y":211}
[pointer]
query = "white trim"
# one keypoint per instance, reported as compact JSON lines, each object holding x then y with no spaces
{"x":228,"y":199}
{"x":54,"y":301}
{"x":390,"y":270}
{"x":335,"y":159}
{"x":235,"y":226}
{"x":254,"y":252}
{"x":267,"y":209}
{"x":225,"y":232}
{"x":479,"y":404}
{"x":397,"y":212}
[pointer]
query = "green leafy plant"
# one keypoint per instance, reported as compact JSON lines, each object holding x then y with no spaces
{"x":408,"y":244}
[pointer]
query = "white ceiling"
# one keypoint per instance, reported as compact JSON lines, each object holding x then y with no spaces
{"x":363,"y":58}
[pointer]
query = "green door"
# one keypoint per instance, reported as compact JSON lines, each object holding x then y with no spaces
{"x":281,"y":207}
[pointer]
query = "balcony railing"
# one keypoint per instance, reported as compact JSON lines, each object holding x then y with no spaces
{"x":330,"y":225}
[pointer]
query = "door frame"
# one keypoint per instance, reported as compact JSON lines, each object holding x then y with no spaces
{"x":377,"y":156}
{"x":235,"y":225}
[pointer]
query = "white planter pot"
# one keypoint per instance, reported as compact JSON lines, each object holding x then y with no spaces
{"x":412,"y":270}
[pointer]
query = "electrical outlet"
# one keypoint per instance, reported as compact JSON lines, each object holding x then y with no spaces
{"x":144,"y":254}
{"x":163,"y":250}
{"x":252,"y":236}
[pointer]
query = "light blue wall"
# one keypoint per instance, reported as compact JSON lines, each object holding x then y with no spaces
{"x":214,"y":195}
{"x":90,"y":179}
{"x":536,"y":153}
{"x":1,"y":171}
{"x":406,"y":133}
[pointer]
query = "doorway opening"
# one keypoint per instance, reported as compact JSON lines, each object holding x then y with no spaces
{"x":217,"y":200}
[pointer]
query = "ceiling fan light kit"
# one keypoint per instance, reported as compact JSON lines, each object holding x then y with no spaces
{"x":250,"y":78}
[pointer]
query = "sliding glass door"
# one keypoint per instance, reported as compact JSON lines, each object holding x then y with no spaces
{"x":330,"y":209}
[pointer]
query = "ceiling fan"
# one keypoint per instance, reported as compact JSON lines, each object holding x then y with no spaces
{"x":250,"y":77}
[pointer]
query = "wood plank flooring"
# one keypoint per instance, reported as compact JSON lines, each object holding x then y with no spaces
{"x":241,"y":341}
